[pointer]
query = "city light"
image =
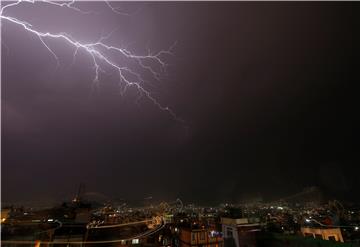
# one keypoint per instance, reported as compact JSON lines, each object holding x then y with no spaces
{"x":135,"y":241}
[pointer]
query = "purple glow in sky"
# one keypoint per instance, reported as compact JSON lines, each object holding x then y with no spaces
{"x":266,"y":91}
{"x":104,"y":56}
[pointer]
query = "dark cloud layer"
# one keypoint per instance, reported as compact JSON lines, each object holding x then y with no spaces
{"x":266,"y":89}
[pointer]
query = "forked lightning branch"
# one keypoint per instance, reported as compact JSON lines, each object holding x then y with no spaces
{"x":99,"y":52}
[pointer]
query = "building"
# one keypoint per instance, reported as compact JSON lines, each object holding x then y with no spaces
{"x":323,"y":233}
{"x":240,"y":232}
{"x":201,"y":237}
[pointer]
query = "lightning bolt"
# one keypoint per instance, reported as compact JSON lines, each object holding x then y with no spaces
{"x":98,"y":51}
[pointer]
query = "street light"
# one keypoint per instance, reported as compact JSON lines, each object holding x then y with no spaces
{"x":317,"y":222}
{"x":356,"y":228}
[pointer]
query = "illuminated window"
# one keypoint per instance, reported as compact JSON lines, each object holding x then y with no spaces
{"x":135,"y":241}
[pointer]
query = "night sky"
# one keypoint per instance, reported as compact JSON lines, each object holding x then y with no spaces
{"x":266,"y":90}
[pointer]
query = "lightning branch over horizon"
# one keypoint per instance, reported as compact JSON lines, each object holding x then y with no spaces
{"x":99,"y":52}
